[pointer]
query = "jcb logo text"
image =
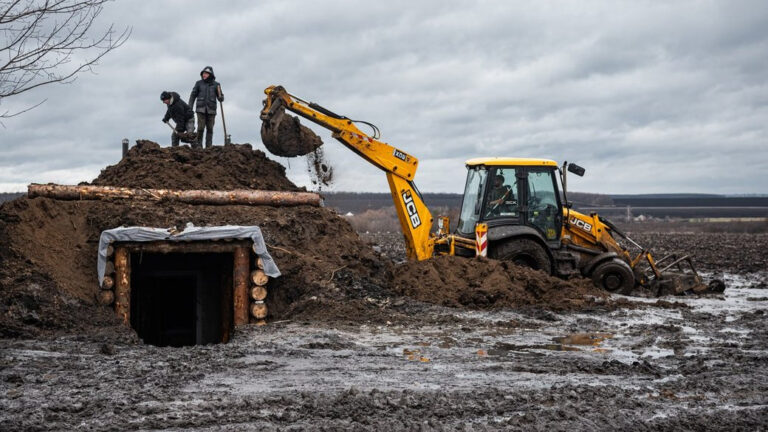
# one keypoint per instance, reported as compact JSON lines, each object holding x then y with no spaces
{"x":581,"y":224}
{"x":410,"y":207}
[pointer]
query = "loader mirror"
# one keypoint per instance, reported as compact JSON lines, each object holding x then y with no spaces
{"x":573,"y":168}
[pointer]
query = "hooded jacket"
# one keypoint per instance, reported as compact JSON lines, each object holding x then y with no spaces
{"x":179,"y":111}
{"x":205,"y":93}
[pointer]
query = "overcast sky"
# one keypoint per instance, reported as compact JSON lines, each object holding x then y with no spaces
{"x":650,"y":97}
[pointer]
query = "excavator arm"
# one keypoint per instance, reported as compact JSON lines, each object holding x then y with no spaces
{"x":399,"y":166}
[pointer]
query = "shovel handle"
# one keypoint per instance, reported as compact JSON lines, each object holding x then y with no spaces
{"x":223,"y":120}
{"x":172,"y":128}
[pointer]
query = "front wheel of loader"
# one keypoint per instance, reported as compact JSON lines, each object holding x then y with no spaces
{"x":523,"y":252}
{"x":614,"y":276}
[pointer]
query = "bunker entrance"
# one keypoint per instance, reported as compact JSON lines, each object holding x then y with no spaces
{"x":179,"y":299}
{"x":194,"y":289}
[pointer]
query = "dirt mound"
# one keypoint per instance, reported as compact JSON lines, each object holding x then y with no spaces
{"x":483,"y":283}
{"x":51,"y":250}
{"x":48,"y":247}
{"x":147,"y":165}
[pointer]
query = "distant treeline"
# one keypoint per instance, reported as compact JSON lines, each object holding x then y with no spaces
{"x":358,"y":202}
{"x":690,"y":201}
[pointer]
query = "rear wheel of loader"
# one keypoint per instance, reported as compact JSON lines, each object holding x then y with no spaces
{"x":614,"y":276}
{"x":525,"y":253}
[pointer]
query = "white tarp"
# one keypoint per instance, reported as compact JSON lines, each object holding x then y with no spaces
{"x":190,"y":233}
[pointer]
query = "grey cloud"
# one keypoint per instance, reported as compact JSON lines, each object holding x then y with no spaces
{"x":671,"y":92}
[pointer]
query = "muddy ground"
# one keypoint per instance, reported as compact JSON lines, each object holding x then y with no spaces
{"x":690,"y":363}
{"x":356,"y":341}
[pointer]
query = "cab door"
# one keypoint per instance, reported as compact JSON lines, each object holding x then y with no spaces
{"x":541,"y":208}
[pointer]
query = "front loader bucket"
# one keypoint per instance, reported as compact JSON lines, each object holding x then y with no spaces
{"x":283,"y":135}
{"x":680,"y":277}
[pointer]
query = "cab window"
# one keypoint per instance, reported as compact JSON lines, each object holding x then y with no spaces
{"x":473,"y":199}
{"x":542,"y":202}
{"x":502,"y":200}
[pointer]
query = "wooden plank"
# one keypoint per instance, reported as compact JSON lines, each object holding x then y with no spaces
{"x":123,"y":284}
{"x":240,"y":284}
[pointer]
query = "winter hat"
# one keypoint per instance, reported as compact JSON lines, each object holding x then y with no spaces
{"x":209,"y":70}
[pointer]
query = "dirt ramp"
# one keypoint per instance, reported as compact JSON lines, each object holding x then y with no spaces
{"x":238,"y":166}
{"x":483,"y":283}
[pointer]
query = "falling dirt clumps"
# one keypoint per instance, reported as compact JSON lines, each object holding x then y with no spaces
{"x":148,"y":165}
{"x":488,"y":284}
{"x":320,"y":171}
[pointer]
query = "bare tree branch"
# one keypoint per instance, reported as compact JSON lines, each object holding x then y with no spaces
{"x":50,"y":41}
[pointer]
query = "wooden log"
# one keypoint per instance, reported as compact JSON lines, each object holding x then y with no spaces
{"x":240,"y":282}
{"x":107,"y":283}
{"x":259,"y":263}
{"x":123,"y":284}
{"x":109,"y":268}
{"x":110,"y":250}
{"x":259,"y":310}
{"x":258,"y":277}
{"x":106,"y":297}
{"x":211,"y":197}
{"x":259,"y":293}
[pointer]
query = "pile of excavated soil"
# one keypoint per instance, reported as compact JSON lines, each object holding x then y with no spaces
{"x":48,"y":248}
{"x":147,"y":165}
{"x":486,"y":284}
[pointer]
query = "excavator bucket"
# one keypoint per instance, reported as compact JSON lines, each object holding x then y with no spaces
{"x":283,"y":135}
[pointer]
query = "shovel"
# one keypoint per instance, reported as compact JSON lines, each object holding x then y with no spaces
{"x":227,"y":138}
{"x":185,"y":137}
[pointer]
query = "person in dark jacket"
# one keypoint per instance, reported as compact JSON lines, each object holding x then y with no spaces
{"x":204,"y":95}
{"x":180,"y":113}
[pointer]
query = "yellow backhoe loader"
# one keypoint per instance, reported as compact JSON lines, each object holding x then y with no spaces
{"x":512,"y":209}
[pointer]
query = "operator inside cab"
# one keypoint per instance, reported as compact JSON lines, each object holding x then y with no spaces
{"x":501,"y":196}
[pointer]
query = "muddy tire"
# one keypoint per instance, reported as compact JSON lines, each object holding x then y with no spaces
{"x":525,"y":253}
{"x":614,"y":276}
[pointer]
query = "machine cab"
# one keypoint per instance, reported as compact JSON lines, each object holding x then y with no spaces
{"x":512,"y":191}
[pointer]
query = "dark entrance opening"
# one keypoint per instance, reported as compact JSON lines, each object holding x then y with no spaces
{"x":180,"y":299}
